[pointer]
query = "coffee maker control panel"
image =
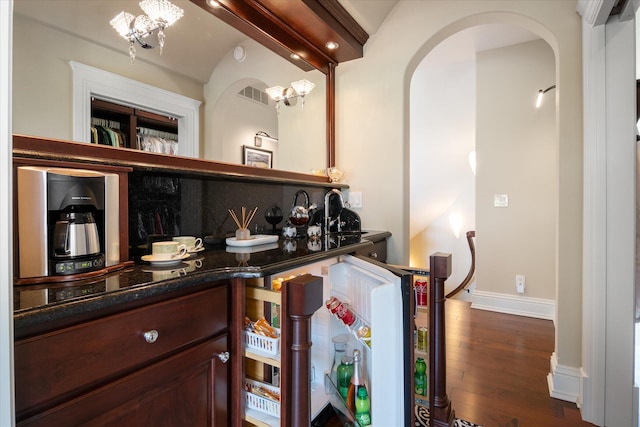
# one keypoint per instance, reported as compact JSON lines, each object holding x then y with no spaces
{"x":77,"y":266}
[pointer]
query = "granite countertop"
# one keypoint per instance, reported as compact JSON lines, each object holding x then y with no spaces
{"x":36,"y":305}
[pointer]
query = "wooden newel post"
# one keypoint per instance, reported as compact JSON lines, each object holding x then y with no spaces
{"x":303,"y":298}
{"x":442,"y":413}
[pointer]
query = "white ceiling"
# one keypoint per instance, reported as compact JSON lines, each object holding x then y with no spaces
{"x":369,"y":14}
{"x":463,"y":45}
{"x":194,"y":45}
{"x":197,"y":42}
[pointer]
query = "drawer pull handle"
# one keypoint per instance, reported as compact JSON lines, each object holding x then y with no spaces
{"x":374,"y":255}
{"x":151,"y":336}
{"x":224,"y":356}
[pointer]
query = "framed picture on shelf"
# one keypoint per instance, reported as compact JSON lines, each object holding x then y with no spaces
{"x":257,"y":157}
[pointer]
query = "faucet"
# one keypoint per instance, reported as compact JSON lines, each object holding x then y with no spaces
{"x":327,"y":219}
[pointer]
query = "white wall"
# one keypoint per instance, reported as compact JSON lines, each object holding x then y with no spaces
{"x":42,"y":77}
{"x":443,"y":104}
{"x":301,"y":133}
{"x":373,"y":122}
{"x":238,"y":131}
{"x":443,"y":132}
{"x":516,"y":151}
{"x":41,"y":108}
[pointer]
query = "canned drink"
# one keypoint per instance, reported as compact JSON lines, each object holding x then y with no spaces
{"x":421,"y":291}
{"x":341,"y":310}
{"x":423,"y":339}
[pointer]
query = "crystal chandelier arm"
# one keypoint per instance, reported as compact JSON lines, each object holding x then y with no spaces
{"x":160,"y":14}
{"x":162,"y":11}
{"x":122,"y":24}
{"x":275,"y":92}
{"x":303,"y":87}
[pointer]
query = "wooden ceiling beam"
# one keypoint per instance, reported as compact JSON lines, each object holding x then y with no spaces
{"x":296,"y":26}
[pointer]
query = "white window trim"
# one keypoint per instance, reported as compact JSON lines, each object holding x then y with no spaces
{"x":91,"y":82}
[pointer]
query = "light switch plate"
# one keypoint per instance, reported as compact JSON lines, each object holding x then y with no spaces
{"x":500,"y":200}
{"x":355,"y":199}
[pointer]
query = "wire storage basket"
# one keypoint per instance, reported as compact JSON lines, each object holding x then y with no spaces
{"x":260,"y":402}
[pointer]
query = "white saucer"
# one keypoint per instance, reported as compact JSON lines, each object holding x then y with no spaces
{"x":195,"y":251}
{"x":251,"y":249}
{"x":164,"y":262}
{"x":254,"y":240}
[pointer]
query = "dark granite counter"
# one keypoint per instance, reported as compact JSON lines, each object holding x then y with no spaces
{"x":37,"y":306}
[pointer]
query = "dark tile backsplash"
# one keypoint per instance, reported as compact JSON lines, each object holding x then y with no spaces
{"x":162,"y":206}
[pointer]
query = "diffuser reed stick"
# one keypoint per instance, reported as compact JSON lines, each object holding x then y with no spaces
{"x":246,"y":217}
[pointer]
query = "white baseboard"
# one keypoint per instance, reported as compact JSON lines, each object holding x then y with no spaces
{"x":564,"y":381}
{"x":513,"y":304}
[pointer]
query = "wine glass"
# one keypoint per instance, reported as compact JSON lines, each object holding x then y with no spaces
{"x":273,"y":216}
{"x":335,"y":174}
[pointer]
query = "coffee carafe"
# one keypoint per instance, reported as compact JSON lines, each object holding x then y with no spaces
{"x":75,"y":234}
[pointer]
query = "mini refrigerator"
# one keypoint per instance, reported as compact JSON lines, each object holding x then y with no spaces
{"x":383,"y":297}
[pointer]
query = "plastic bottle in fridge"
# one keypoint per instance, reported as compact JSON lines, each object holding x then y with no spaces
{"x":357,"y":382}
{"x":363,"y":407}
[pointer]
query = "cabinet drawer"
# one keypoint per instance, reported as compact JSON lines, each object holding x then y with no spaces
{"x":189,"y":388}
{"x":54,"y":366}
{"x":378,"y":251}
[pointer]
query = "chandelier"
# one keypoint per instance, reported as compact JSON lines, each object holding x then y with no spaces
{"x":287,"y":95}
{"x":143,"y":29}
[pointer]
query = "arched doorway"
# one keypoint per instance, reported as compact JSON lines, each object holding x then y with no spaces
{"x":564,"y":379}
{"x":478,"y":87}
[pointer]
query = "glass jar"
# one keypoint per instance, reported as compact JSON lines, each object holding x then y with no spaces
{"x":339,"y":351}
{"x":345,"y":371}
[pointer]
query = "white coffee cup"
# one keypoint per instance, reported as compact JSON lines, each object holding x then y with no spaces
{"x":192,"y":243}
{"x":162,"y":251}
{"x":314,"y":231}
{"x":314,"y":245}
{"x":289,"y":232}
{"x":193,"y":264}
{"x":290,"y":245}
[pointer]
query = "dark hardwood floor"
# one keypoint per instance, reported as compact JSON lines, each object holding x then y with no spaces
{"x":497,"y":366}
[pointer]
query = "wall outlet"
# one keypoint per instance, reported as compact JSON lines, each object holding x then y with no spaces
{"x":520,"y":283}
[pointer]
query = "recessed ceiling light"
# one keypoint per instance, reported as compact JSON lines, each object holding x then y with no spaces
{"x":213,"y":3}
{"x":332,"y":45}
{"x":295,"y":56}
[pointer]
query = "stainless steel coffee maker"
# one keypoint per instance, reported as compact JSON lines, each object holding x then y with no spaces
{"x":68,"y":221}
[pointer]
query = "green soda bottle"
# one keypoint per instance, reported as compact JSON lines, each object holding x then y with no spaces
{"x":345,"y":371}
{"x":420,"y":377}
{"x":363,"y":407}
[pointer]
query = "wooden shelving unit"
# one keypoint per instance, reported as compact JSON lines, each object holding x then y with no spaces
{"x":259,"y":365}
{"x":422,"y":320}
{"x":297,"y":299}
{"x":129,"y":119}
